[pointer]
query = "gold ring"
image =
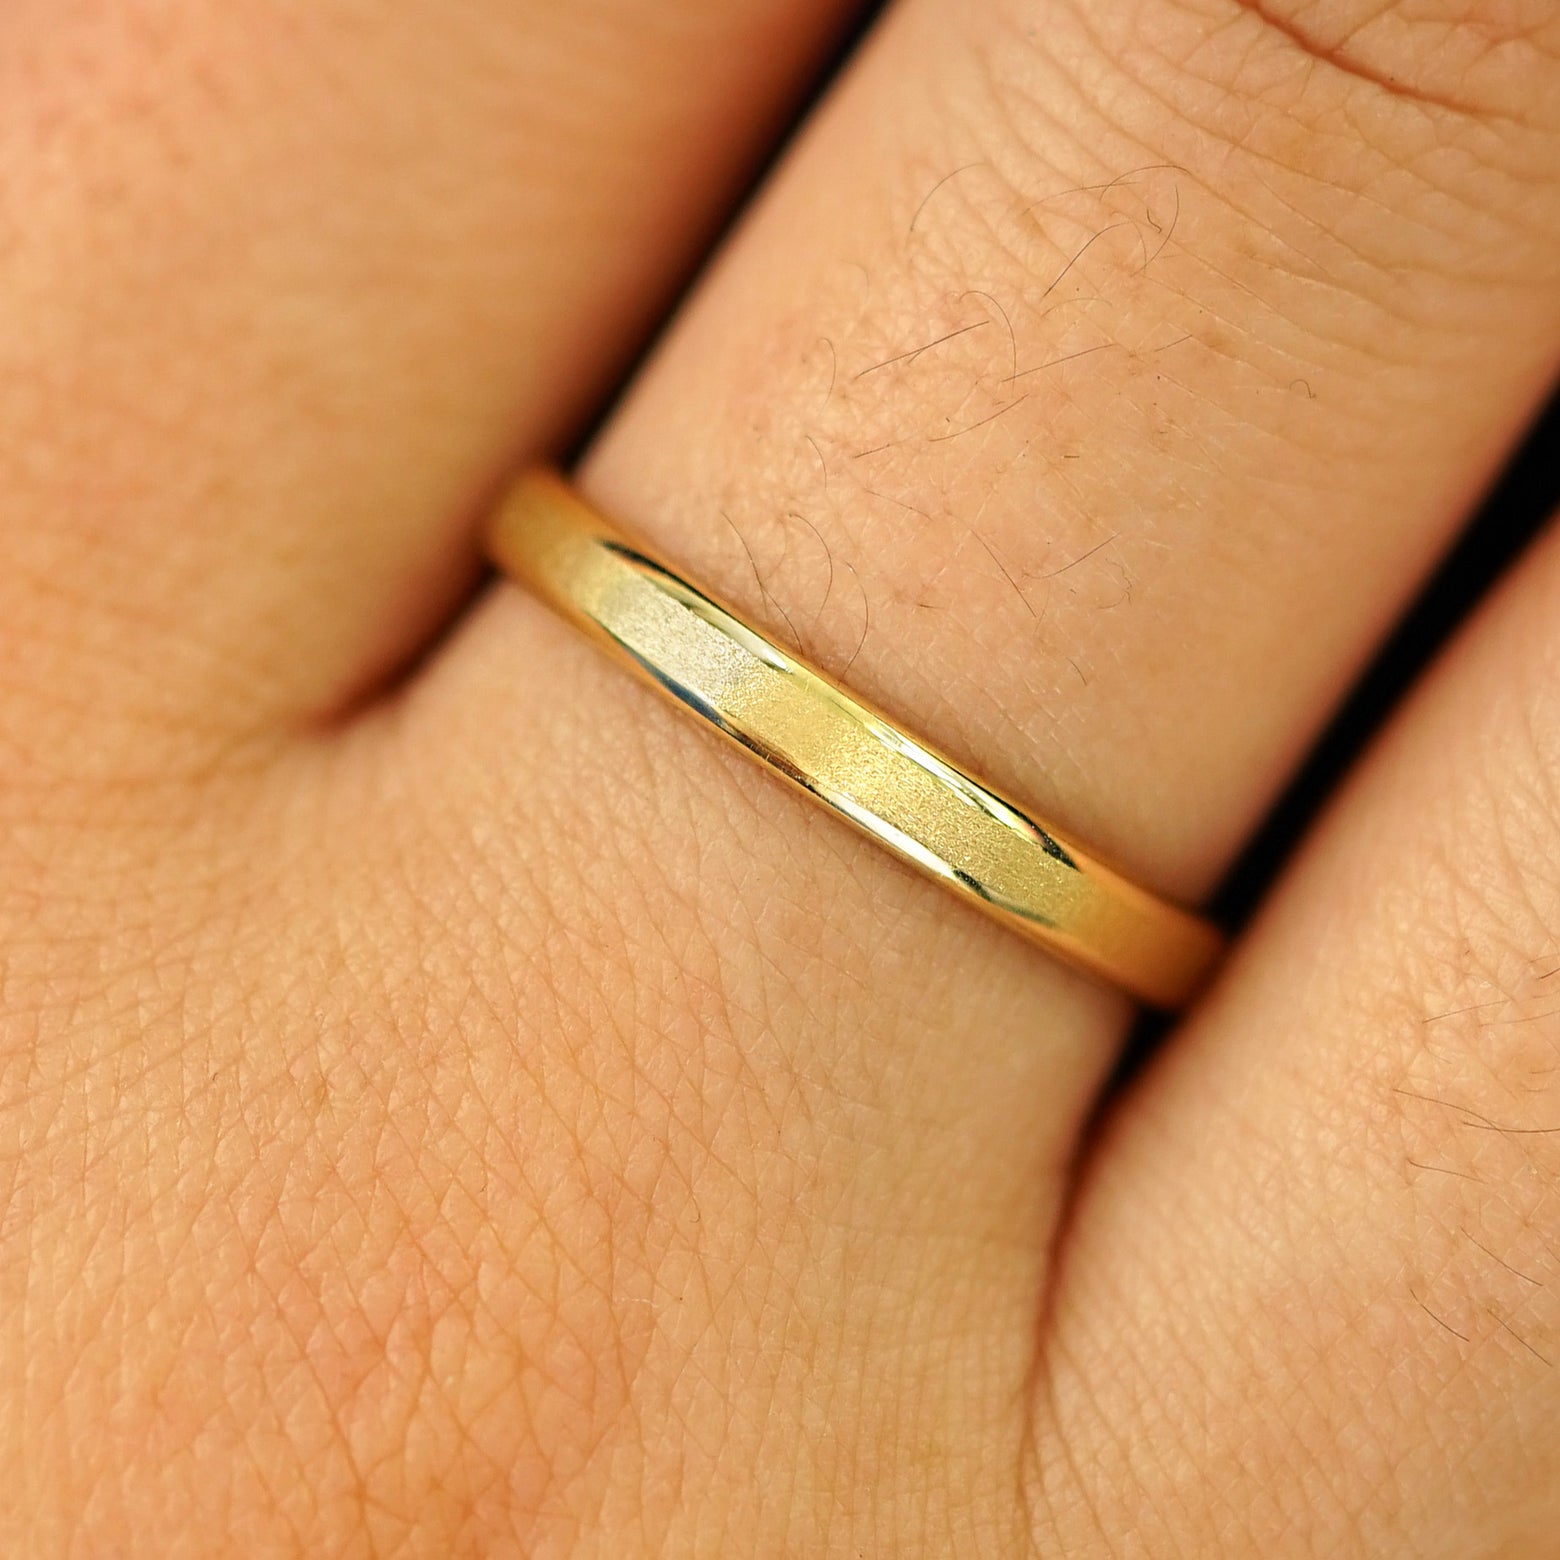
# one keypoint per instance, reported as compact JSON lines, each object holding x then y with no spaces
{"x":777,"y":708}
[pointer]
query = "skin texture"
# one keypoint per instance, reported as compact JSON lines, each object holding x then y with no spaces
{"x":469,"y":1112}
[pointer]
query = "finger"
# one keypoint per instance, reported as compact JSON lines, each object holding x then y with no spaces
{"x":1141,"y":639}
{"x":1318,"y":1246}
{"x":1135,"y":397}
{"x":284,"y":289}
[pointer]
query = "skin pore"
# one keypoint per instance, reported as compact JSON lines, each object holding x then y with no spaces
{"x":486,"y":1117}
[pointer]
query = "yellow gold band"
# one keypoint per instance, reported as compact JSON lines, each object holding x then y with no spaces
{"x":779,"y":709}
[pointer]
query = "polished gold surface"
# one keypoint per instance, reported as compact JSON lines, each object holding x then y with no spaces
{"x":781,"y":710}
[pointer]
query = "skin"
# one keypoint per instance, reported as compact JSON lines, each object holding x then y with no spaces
{"x":451,"y":1106}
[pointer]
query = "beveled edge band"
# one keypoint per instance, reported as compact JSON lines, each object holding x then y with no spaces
{"x":780,"y":709}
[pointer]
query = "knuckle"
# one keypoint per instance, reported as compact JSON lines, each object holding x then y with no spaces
{"x":1484,"y":58}
{"x":1267,"y":108}
{"x":1451,"y":60}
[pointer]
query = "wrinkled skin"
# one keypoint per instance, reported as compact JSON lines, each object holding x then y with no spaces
{"x":448,"y":1104}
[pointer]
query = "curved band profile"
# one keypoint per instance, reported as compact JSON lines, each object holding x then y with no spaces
{"x":787,"y":713}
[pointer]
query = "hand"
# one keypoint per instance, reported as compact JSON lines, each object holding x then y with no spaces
{"x":450,"y":1105}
